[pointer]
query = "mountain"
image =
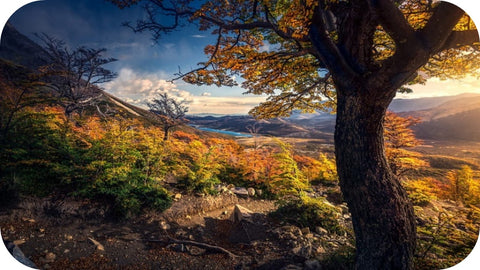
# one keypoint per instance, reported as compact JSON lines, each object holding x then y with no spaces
{"x":316,"y":126}
{"x":18,"y":49}
{"x":455,"y":119}
{"x":443,"y":118}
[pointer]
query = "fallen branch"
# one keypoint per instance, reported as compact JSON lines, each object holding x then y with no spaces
{"x":198,"y":244}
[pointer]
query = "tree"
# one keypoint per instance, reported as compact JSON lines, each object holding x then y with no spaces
{"x":170,"y":112}
{"x":19,"y":89}
{"x":460,"y":182}
{"x":352,"y":55}
{"x":398,"y":137}
{"x":74,"y":74}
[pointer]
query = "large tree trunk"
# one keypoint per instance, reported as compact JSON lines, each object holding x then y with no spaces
{"x":382,"y":215}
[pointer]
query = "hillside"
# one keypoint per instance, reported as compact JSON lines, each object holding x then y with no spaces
{"x":17,"y":49}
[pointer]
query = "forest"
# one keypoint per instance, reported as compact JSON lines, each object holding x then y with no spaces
{"x":88,"y":180}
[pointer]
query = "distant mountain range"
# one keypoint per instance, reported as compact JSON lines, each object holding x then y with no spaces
{"x":443,"y":118}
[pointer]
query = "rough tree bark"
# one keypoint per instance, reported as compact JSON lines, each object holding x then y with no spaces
{"x":382,"y":215}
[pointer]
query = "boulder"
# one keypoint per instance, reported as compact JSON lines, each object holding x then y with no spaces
{"x":240,"y":213}
{"x":251,"y":191}
{"x":240,"y":191}
{"x":18,"y":254}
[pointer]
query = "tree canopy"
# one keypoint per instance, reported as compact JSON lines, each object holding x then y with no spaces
{"x":298,"y":51}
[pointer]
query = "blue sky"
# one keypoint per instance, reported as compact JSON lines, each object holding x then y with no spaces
{"x":144,"y":67}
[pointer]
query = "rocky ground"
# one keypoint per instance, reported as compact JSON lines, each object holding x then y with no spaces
{"x":211,"y":232}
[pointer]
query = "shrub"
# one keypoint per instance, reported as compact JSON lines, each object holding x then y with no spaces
{"x":309,"y":212}
{"x":422,"y":191}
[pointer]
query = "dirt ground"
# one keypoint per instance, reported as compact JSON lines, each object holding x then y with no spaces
{"x":54,"y":238}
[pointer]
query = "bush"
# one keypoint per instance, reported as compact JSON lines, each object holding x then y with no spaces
{"x":309,"y":212}
{"x":8,"y":193}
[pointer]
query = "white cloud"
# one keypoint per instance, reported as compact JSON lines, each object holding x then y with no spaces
{"x":198,"y":36}
{"x":139,"y":88}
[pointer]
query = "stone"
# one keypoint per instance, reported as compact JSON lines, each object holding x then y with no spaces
{"x":292,"y":267}
{"x":18,"y":254}
{"x":240,"y":191}
{"x":306,"y":230}
{"x":312,"y":265}
{"x":320,"y":230}
{"x":97,"y":244}
{"x":164,"y":225}
{"x":251,"y":191}
{"x":177,"y":196}
{"x":259,"y":192}
{"x":178,"y":247}
{"x":19,"y":242}
{"x":50,"y":257}
{"x":240,"y":213}
{"x":196,"y":251}
{"x":320,"y":250}
{"x":344,"y":208}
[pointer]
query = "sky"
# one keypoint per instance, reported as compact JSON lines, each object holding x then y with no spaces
{"x":145,"y":67}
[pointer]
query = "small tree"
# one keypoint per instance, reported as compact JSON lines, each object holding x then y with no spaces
{"x":74,"y":74}
{"x":170,"y":112}
{"x":460,"y":182}
{"x":398,"y":137}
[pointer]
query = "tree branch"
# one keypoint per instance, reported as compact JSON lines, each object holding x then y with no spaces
{"x":440,"y":25}
{"x":458,"y":39}
{"x":392,"y":20}
{"x":328,"y":51}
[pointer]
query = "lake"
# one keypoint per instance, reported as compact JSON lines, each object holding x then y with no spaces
{"x":231,"y":133}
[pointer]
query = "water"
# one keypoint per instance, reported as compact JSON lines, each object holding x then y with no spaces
{"x":231,"y":133}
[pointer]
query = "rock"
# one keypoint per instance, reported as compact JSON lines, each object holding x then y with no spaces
{"x":18,"y":254}
{"x":195,"y":251}
{"x":178,"y":247}
{"x":320,"y":250}
{"x":320,"y":230}
{"x":302,"y":249}
{"x":164,"y":225}
{"x":180,"y":233}
{"x":240,"y":191}
{"x":19,"y":242}
{"x":251,"y":191}
{"x":259,"y":192}
{"x":292,"y":267}
{"x":306,"y":230}
{"x":31,"y":220}
{"x":240,"y":213}
{"x":344,"y":208}
{"x":66,"y":250}
{"x":50,"y":257}
{"x":177,"y":196}
{"x":312,"y":265}
{"x":97,"y":244}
